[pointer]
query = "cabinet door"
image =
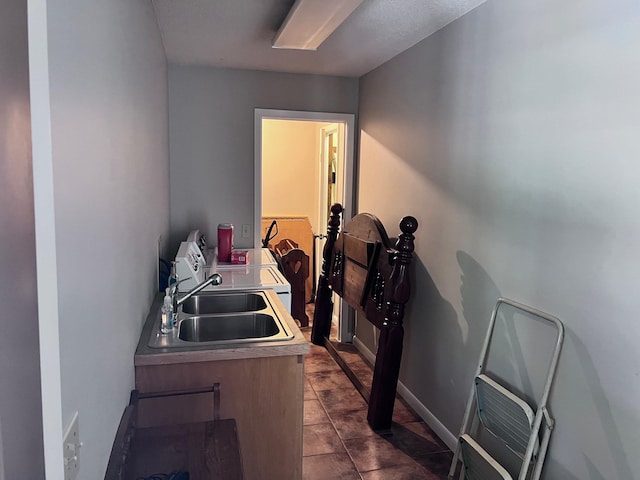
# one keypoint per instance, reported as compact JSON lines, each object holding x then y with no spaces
{"x":264,"y":396}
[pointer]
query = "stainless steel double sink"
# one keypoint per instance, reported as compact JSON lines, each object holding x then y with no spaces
{"x":213,"y":318}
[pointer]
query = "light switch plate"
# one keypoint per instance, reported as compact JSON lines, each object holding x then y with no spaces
{"x":71,"y":449}
{"x":246,"y":230}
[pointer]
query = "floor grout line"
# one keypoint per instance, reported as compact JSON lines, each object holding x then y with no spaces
{"x":333,"y":425}
{"x":414,"y":458}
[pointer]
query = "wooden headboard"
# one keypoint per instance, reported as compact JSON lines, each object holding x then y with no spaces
{"x":360,"y":265}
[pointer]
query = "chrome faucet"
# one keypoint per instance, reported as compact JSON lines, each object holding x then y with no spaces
{"x":214,"y":279}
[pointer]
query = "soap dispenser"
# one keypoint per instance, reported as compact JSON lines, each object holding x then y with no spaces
{"x":167,"y":313}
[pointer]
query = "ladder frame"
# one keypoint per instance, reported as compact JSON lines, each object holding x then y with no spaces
{"x":470,"y":420}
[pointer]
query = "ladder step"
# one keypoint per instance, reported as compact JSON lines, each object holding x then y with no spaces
{"x":504,"y":414}
{"x":478,"y":464}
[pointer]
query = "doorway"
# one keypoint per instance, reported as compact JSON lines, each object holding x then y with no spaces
{"x":312,"y":169}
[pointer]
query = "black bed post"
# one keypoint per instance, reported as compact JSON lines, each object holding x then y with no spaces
{"x":387,"y":367}
{"x":324,"y":304}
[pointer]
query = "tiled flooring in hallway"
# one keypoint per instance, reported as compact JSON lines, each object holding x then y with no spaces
{"x":338,"y":443}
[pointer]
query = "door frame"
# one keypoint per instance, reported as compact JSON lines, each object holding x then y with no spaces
{"x":346,"y":329}
{"x":322,"y":169}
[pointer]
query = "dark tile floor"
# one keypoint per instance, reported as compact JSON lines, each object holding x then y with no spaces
{"x":338,"y":443}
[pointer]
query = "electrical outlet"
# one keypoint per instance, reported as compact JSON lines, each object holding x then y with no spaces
{"x":71,"y":449}
{"x":246,"y":230}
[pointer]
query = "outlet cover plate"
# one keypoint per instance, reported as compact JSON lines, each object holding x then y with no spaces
{"x":71,"y":449}
{"x":246,"y":230}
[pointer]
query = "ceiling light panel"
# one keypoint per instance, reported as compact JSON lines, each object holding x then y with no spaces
{"x":310,"y":22}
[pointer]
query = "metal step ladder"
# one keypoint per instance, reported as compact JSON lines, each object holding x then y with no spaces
{"x":524,"y":430}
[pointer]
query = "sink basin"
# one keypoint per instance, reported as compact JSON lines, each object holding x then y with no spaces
{"x":227,"y":327}
{"x":224,"y":303}
{"x":216,"y":319}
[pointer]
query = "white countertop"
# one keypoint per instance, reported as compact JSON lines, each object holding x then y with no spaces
{"x":256,"y":257}
{"x":244,"y":277}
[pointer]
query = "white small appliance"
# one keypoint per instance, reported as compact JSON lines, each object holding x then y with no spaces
{"x":190,"y":266}
{"x":199,"y":238}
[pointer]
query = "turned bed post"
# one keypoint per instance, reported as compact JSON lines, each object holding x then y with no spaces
{"x":324,"y":304}
{"x":387,"y":366}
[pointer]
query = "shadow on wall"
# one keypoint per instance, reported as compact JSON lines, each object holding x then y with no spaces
{"x":478,"y":293}
{"x":431,"y":327}
{"x":559,"y":470}
{"x":602,"y":426}
{"x":442,"y":349}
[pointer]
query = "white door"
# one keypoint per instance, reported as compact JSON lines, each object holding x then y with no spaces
{"x":331,"y":188}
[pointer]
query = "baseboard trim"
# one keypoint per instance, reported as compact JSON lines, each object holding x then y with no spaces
{"x":429,"y":418}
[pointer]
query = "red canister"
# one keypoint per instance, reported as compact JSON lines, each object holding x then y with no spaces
{"x":225,"y":242}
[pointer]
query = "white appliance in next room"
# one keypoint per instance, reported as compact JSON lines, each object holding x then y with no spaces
{"x":253,"y":277}
{"x":259,"y":273}
{"x":255,"y":257}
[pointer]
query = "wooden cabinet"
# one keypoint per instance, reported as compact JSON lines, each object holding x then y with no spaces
{"x":264,"y":395}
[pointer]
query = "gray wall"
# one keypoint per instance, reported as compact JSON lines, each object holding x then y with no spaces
{"x":108,"y":80}
{"x":512,"y":136}
{"x":21,"y":450}
{"x":211,"y":117}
